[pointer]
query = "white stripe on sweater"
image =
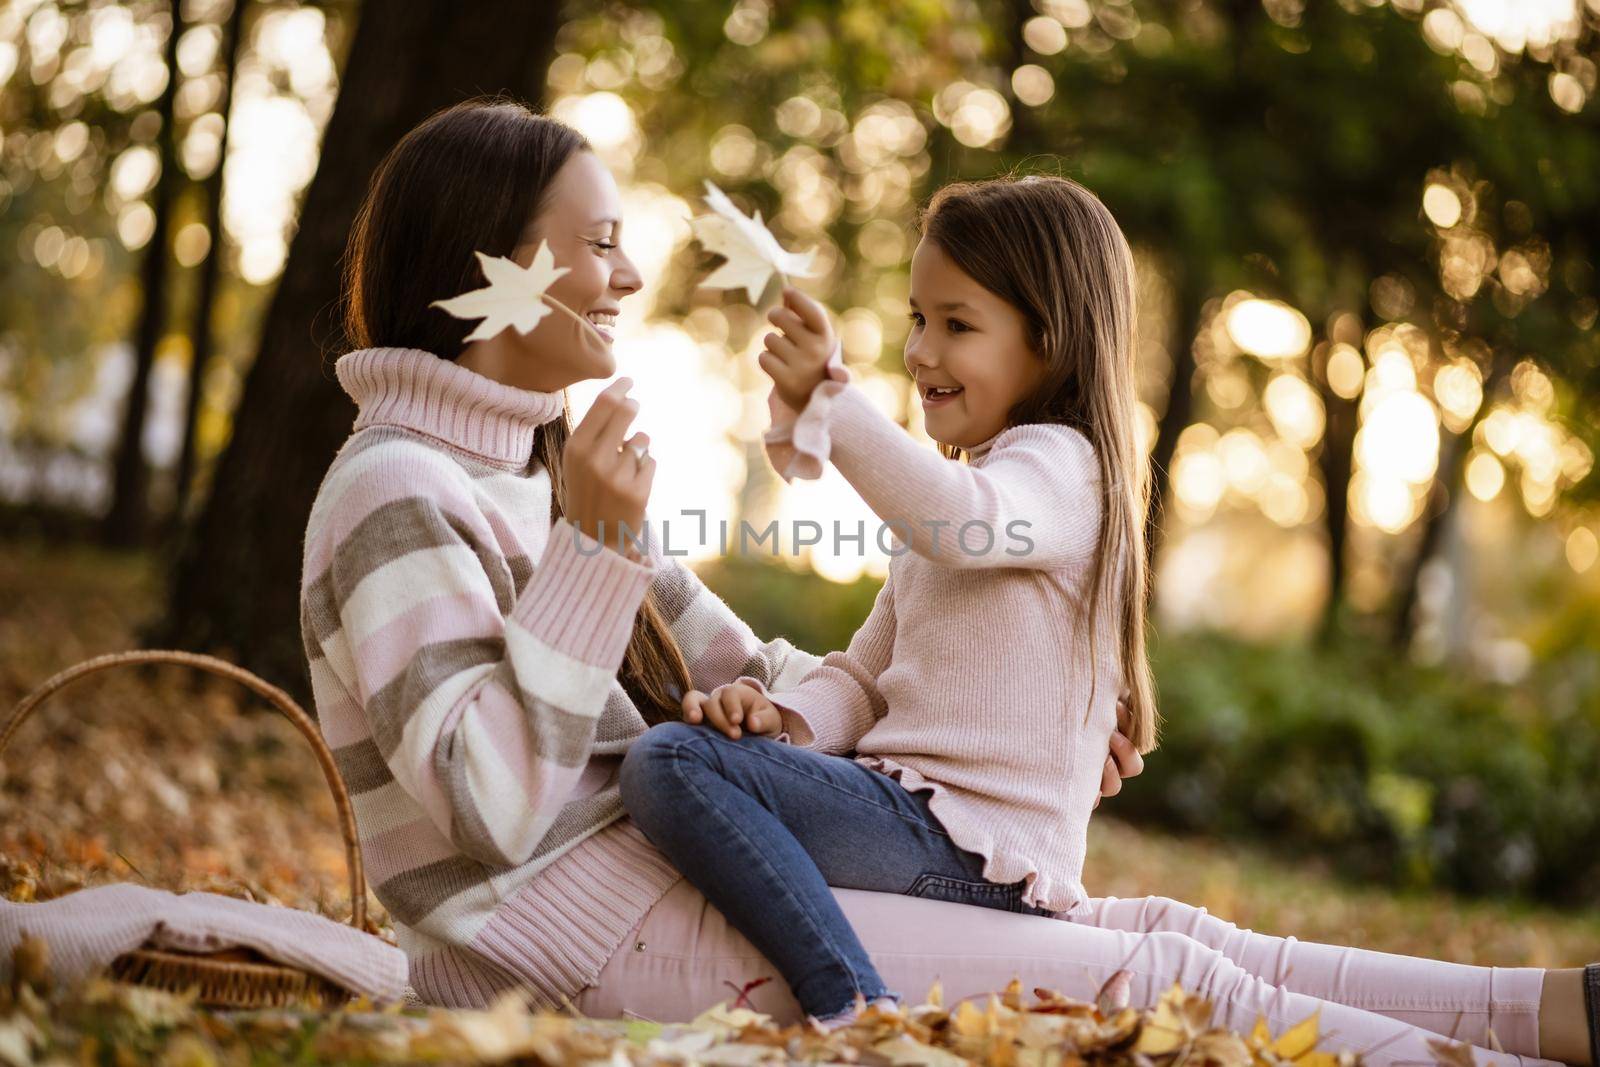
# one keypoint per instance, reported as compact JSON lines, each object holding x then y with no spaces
{"x":568,"y":683}
{"x":396,"y":587}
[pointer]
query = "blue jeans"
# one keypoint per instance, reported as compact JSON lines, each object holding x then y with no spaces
{"x":762,"y":829}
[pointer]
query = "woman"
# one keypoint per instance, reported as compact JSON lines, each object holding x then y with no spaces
{"x":477,"y":663}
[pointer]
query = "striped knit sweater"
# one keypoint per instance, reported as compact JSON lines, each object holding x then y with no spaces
{"x":974,"y":676}
{"x":463,"y":654}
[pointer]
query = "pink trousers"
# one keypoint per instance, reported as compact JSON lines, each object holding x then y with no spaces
{"x":684,"y":957}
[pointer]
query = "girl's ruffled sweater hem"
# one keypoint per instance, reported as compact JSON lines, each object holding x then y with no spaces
{"x":1064,"y":899}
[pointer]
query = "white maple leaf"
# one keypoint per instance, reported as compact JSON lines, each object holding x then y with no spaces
{"x":753,"y":255}
{"x":514,"y":297}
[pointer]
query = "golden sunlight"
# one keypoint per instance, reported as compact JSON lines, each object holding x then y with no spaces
{"x":1485,"y":476}
{"x":1442,"y":206}
{"x":1268,"y":329}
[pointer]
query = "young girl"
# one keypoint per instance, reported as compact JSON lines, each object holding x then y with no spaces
{"x":980,"y":692}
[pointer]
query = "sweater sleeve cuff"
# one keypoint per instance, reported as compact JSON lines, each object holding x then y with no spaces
{"x":798,"y":443}
{"x":583,"y":597}
{"x":797,"y":730}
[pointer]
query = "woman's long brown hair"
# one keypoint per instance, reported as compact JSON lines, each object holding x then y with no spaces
{"x":1050,"y":248}
{"x":469,"y":179}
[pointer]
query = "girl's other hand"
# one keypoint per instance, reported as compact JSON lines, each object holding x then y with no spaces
{"x":797,"y":359}
{"x":735,"y":709}
{"x":1124,"y":760}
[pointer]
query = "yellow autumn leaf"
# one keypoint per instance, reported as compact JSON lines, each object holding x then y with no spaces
{"x":1166,"y":1030}
{"x":971,"y":1021}
{"x":723,"y":1019}
{"x":1039,"y":1031}
{"x":1157,"y":1040}
{"x":1299,"y":1039}
{"x":1317,"y":1059}
{"x":906,"y":1050}
{"x":1040,"y":1057}
{"x":1221,"y":1049}
{"x":496,"y":1033}
{"x":188,"y":1050}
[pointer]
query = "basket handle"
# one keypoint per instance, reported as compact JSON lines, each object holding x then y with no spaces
{"x":277,"y":697}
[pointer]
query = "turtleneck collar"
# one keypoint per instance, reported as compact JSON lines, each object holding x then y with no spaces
{"x":420,"y":391}
{"x":978,"y":451}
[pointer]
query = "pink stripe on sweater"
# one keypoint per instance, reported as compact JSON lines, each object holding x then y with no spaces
{"x":390,"y":649}
{"x":340,"y":719}
{"x":726,"y":654}
{"x":545,"y":783}
{"x":416,"y":844}
{"x":523,"y":540}
{"x":388,"y":479}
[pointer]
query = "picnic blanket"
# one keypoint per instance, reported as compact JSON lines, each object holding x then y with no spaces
{"x":88,"y":929}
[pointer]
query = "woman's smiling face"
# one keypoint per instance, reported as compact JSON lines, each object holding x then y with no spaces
{"x":582,"y":220}
{"x":968,"y":351}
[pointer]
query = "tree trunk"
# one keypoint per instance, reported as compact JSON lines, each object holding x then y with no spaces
{"x":1442,"y":497}
{"x":235,"y":588}
{"x":1025,"y":130}
{"x":1188,"y":299}
{"x":125,"y":522}
{"x":1337,"y":462}
{"x":210,"y":271}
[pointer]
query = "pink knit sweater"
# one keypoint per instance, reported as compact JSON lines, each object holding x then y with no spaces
{"x":463,"y":652}
{"x":972,"y":677}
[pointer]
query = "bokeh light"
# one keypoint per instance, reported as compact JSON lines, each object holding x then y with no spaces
{"x":845,"y":172}
{"x":1347,"y":371}
{"x":1485,"y":476}
{"x":1032,"y":84}
{"x":1582,"y":548}
{"x":1269,"y":329}
{"x":1442,"y":206}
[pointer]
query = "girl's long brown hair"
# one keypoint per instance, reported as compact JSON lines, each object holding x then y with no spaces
{"x":469,"y":179}
{"x":1050,"y":248}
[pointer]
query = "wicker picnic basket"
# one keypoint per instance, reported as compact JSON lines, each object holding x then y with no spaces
{"x":232,"y":978}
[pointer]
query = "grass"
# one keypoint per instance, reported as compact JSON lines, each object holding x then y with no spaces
{"x":148,"y":776}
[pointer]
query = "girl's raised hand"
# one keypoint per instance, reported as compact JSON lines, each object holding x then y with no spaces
{"x":734,"y":709}
{"x":797,"y":359}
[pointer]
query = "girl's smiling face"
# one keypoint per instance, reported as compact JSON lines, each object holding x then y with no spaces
{"x":968,"y":351}
{"x":582,"y":220}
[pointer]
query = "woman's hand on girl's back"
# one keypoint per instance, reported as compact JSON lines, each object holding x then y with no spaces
{"x":1124,"y":760}
{"x":734,"y":709}
{"x":606,"y":485}
{"x":797,"y":359}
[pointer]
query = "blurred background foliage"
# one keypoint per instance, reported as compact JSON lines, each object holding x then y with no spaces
{"x":1366,"y":233}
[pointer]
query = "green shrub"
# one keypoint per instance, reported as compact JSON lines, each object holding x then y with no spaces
{"x":1411,"y":776}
